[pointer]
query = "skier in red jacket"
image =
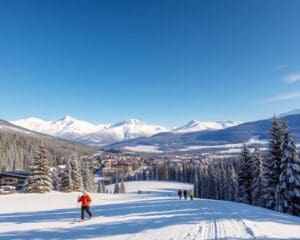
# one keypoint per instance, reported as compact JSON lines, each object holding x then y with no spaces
{"x":85,"y":200}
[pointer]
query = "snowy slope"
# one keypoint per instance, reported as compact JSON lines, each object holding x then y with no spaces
{"x":140,"y":216}
{"x":195,"y":126}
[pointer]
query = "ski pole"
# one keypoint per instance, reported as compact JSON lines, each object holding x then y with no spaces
{"x":77,"y":203}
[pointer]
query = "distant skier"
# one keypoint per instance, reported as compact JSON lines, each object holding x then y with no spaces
{"x":180,"y":194}
{"x":85,"y":200}
{"x":185,"y":194}
{"x":191,"y":195}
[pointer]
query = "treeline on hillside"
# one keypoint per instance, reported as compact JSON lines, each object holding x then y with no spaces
{"x":76,"y":176}
{"x":271,"y":180}
{"x":17,"y":149}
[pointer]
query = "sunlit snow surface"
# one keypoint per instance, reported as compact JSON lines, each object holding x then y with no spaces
{"x":151,"y":215}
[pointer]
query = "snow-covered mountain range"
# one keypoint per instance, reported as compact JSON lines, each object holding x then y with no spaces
{"x":67,"y":127}
{"x":196,"y":126}
{"x":103,"y":134}
{"x":122,"y":131}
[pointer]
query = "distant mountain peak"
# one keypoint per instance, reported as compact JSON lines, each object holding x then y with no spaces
{"x":134,"y":122}
{"x":67,"y":118}
{"x":192,"y":122}
{"x":195,"y":126}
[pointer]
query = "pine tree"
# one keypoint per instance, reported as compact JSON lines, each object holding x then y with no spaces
{"x":245,"y":177}
{"x":288,"y":188}
{"x":56,"y":181}
{"x":233,"y":185}
{"x":39,"y":181}
{"x":256,"y":170}
{"x":116,"y":188}
{"x":67,"y":183}
{"x":196,"y":185}
{"x":88,"y":178}
{"x":271,"y":166}
{"x":122,"y":187}
{"x":223,"y":187}
{"x":203,"y":182}
{"x":101,"y":187}
{"x":75,"y":174}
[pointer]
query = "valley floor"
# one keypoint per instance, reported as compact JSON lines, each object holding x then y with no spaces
{"x":151,"y":215}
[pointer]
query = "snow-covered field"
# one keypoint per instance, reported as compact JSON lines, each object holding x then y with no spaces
{"x":144,"y":148}
{"x":148,"y":216}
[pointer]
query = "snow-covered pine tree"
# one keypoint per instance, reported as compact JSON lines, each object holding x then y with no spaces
{"x":211,"y":184}
{"x":101,"y":187}
{"x":88,"y":178}
{"x":196,"y":185}
{"x":245,"y":177}
{"x":122,"y":187}
{"x":66,"y":182}
{"x":157,"y":173}
{"x":288,"y":188}
{"x":177,"y":173}
{"x":223,"y":187}
{"x":271,"y":166}
{"x":256,"y":170}
{"x":116,"y":188}
{"x":203,"y":182}
{"x":181,"y":174}
{"x":39,"y":181}
{"x":56,"y":181}
{"x":233,"y":185}
{"x":76,"y":174}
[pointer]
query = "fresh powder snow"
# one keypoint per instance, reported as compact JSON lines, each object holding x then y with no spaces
{"x":153,"y":214}
{"x":144,"y":148}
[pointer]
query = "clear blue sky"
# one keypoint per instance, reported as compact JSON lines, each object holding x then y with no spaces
{"x":161,"y":61}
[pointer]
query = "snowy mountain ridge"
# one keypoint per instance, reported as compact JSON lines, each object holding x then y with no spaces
{"x":103,"y":134}
{"x":67,"y":127}
{"x":196,"y":126}
{"x":293,"y":112}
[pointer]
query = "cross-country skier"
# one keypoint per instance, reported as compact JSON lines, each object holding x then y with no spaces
{"x":180,"y":194}
{"x":191,"y":195}
{"x":85,"y":200}
{"x":185,"y":194}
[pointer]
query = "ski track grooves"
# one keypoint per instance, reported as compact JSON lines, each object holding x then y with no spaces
{"x":227,"y":226}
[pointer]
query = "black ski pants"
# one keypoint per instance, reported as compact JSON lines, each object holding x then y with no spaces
{"x":85,"y":209}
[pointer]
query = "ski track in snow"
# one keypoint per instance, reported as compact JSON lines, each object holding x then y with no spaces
{"x":154,"y":216}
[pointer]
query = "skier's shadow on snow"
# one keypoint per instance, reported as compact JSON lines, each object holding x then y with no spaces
{"x":163,"y":213}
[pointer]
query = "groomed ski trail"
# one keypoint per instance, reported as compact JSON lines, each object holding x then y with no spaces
{"x":150,"y":216}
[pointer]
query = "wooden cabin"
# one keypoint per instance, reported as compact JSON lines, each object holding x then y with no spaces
{"x":15,"y":179}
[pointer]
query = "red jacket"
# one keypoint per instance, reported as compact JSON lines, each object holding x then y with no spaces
{"x":85,"y":200}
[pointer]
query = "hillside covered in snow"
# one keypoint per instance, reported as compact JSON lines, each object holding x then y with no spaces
{"x":152,"y":215}
{"x":17,"y":146}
